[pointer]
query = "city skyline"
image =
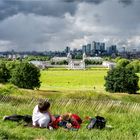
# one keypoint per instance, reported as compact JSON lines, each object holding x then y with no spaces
{"x":39,"y":25}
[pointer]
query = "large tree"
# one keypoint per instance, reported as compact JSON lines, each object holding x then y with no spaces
{"x":135,"y":65}
{"x":26,"y":75}
{"x":121,"y":79}
{"x":4,"y":73}
{"x":122,"y":62}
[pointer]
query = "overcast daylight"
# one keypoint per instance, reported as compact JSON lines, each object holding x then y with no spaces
{"x":43,"y":25}
{"x":69,"y":69}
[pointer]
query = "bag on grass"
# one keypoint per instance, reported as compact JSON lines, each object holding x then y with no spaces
{"x":97,"y":122}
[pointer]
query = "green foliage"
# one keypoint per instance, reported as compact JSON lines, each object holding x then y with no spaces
{"x":26,"y":75}
{"x":78,"y":56}
{"x":135,"y":65}
{"x":93,"y":62}
{"x":10,"y":65}
{"x":8,"y":89}
{"x":122,"y":62}
{"x":117,"y":59}
{"x":122,"y":79}
{"x":4,"y":73}
{"x":37,"y":58}
{"x":64,"y":62}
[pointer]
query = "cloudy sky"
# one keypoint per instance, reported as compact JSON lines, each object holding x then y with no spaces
{"x":43,"y":25}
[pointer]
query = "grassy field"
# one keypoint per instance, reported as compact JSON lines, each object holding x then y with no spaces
{"x":72,"y":91}
{"x":73,"y":80}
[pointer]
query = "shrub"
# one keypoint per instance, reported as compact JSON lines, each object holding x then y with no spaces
{"x":26,"y":75}
{"x":121,"y":79}
{"x":122,"y":62}
{"x":4,"y":73}
{"x":135,"y":65}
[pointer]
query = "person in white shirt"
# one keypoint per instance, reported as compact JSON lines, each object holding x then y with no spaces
{"x":41,"y":116}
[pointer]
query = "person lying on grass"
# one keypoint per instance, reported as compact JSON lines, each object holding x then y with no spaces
{"x":41,"y":116}
{"x":68,"y":121}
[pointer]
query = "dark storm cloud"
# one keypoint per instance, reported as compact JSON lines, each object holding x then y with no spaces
{"x":126,"y":2}
{"x":56,"y":8}
{"x":90,"y":1}
{"x":46,"y":8}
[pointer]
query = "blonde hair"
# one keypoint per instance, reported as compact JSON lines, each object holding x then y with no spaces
{"x":66,"y":116}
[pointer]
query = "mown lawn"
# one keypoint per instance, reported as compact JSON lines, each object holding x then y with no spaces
{"x":71,"y":79}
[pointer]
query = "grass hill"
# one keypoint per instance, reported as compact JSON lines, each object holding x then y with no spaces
{"x":72,"y":91}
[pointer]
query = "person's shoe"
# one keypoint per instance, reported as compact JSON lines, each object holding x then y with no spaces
{"x":5,"y":118}
{"x":50,"y":128}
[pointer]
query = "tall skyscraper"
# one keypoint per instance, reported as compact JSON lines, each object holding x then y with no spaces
{"x":84,"y":48}
{"x":98,"y":47}
{"x":113,"y":49}
{"x":67,"y":49}
{"x":88,"y":49}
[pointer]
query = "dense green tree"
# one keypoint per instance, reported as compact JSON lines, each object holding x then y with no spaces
{"x":10,"y":65}
{"x":135,"y":65}
{"x":37,"y":58}
{"x":93,"y":62}
{"x":26,"y":75}
{"x":4,"y":73}
{"x":117,"y":59}
{"x":63,"y":62}
{"x":122,"y":62}
{"x":121,"y":79}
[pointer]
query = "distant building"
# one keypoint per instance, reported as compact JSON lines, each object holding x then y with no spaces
{"x":41,"y":64}
{"x":58,"y":59}
{"x":98,"y":47}
{"x":108,"y":64}
{"x":84,"y":48}
{"x":88,"y":49}
{"x":67,"y":50}
{"x":95,"y":58}
{"x":112,"y":49}
{"x":77,"y":64}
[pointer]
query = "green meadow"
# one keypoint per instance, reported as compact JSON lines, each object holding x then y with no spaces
{"x":80,"y":92}
{"x":73,"y":79}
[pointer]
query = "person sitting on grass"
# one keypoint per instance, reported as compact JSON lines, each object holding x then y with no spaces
{"x":41,"y":116}
{"x":68,"y":121}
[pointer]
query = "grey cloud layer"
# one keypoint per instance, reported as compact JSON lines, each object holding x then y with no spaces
{"x":49,"y":7}
{"x":53,"y":24}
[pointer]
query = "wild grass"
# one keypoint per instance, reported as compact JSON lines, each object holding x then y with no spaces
{"x":123,"y":117}
{"x":72,"y":91}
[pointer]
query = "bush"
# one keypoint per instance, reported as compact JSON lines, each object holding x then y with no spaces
{"x":26,"y":75}
{"x":4,"y":73}
{"x":122,"y":62}
{"x":93,"y":62}
{"x":135,"y":65}
{"x":122,"y":79}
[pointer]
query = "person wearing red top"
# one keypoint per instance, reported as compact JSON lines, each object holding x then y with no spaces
{"x":68,"y":120}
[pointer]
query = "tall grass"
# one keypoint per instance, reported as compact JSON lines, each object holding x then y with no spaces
{"x":72,"y":91}
{"x":123,"y":117}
